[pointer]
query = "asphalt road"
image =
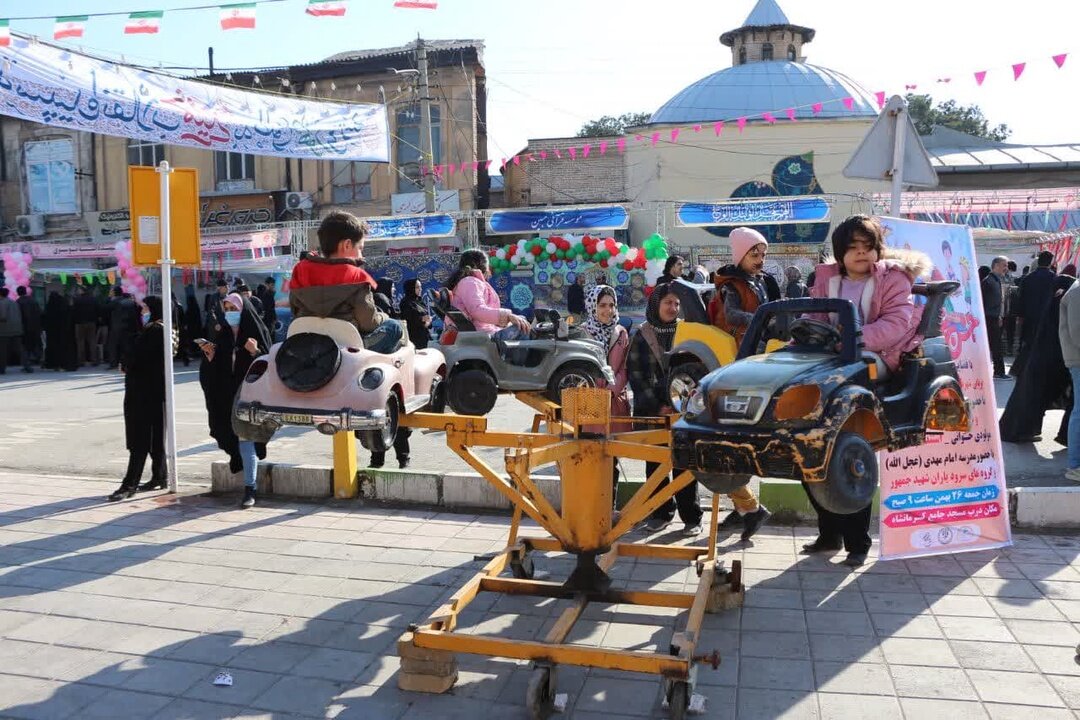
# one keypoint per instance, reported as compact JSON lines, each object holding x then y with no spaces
{"x":56,"y":423}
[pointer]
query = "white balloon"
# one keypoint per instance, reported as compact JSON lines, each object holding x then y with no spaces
{"x":550,"y":248}
{"x":501,"y":253}
{"x":515,"y":260}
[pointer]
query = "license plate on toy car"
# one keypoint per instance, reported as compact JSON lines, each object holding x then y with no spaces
{"x":724,"y":458}
{"x":296,"y":418}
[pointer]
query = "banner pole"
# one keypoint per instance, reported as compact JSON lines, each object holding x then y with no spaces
{"x":165,"y":233}
{"x":900,"y":132}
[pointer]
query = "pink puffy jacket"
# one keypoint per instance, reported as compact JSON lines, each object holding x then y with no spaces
{"x":475,"y":297}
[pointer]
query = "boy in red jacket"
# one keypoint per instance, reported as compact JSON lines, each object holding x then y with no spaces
{"x":334,"y":285}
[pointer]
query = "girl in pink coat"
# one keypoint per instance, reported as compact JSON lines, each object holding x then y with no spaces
{"x":878,"y":281}
{"x":475,"y":297}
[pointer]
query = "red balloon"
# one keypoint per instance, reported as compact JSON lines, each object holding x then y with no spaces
{"x":639,"y":261}
{"x":612,"y":246}
{"x":603,"y":263}
{"x":628,"y":265}
{"x":536,"y":250}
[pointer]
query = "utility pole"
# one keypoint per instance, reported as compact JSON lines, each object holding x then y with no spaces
{"x":427,"y":161}
{"x":210,"y":53}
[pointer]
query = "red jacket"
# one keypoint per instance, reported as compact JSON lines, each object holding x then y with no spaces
{"x":334,"y":288}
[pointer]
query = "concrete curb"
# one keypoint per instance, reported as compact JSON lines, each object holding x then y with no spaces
{"x":1029,"y":507}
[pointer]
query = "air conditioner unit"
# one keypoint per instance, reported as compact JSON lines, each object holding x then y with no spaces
{"x":30,"y":225}
{"x":297,"y":201}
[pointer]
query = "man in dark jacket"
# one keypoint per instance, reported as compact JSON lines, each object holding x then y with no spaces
{"x":266,"y":293}
{"x":993,"y":297}
{"x":334,"y":285}
{"x":575,"y":296}
{"x":212,"y":306}
{"x":11,"y":332}
{"x":124,"y":325}
{"x":85,"y":315}
{"x":1035,"y":291}
{"x":31,"y":322}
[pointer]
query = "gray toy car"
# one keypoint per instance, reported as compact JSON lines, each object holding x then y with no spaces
{"x":479,"y":367}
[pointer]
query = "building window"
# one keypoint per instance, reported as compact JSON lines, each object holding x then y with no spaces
{"x":791,"y":53}
{"x":766,"y":51}
{"x":141,"y":152}
{"x":234,"y":166}
{"x":408,"y":146}
{"x":50,"y":177}
{"x":352,"y":181}
{"x":742,"y":55}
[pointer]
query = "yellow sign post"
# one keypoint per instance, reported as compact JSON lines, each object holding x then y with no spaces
{"x":165,"y":232}
{"x":144,"y":195}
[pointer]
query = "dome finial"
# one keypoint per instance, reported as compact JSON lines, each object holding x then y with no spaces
{"x":767,"y":35}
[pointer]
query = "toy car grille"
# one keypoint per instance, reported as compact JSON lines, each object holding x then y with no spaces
{"x":726,"y":405}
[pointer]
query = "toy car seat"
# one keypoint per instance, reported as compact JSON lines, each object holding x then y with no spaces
{"x":343,"y":332}
{"x":692,"y":304}
{"x":441,"y":299}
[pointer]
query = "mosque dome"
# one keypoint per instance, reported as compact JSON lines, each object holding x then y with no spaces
{"x":769,"y":74}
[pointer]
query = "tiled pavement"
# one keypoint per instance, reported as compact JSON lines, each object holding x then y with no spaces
{"x":128,"y":610}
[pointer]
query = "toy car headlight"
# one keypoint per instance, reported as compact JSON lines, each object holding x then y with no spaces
{"x":695,"y":404}
{"x":371,"y":379}
{"x":798,"y":401}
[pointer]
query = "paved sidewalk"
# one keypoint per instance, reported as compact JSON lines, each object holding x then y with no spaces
{"x":129,"y":610}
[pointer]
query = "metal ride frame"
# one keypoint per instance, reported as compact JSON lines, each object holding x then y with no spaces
{"x":578,"y":438}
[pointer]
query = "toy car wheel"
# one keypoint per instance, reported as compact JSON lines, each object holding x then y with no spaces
{"x":437,"y":401}
{"x":572,"y":375}
{"x":472,"y":392}
{"x":851,"y":478}
{"x":382,"y":440}
{"x":683,"y":379}
{"x":722,"y":483}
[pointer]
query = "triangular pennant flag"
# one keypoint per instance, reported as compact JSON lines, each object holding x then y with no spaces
{"x":718,"y":127}
{"x":558,"y":155}
{"x":529,"y":157}
{"x":238,"y":15}
{"x":324,"y":8}
{"x":655,"y":138}
{"x":790,"y":114}
{"x":144,"y":23}
{"x":620,"y":144}
{"x":1059,"y":60}
{"x":1018,"y":70}
{"x":572,"y":151}
{"x":450,"y":169}
{"x":543,"y":154}
{"x":697,"y":128}
{"x":603,"y":147}
{"x":63,"y":278}
{"x":487,"y":164}
{"x":880,"y":97}
{"x":71,"y":26}
{"x":741,"y":123}
{"x":517,"y":160}
{"x":769,"y":118}
{"x":675,"y":134}
{"x":585,"y":150}
{"x":817,"y":107}
{"x":849,"y":102}
{"x":5,"y":33}
{"x":980,"y":77}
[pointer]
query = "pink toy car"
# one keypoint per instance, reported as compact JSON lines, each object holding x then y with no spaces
{"x":321,"y":376}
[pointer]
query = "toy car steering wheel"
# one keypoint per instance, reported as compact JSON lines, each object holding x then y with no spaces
{"x":815,"y":333}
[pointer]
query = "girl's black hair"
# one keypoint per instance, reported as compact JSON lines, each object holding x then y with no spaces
{"x":470,"y":260}
{"x":844,"y":236}
{"x":670,"y":263}
{"x":409,"y":287}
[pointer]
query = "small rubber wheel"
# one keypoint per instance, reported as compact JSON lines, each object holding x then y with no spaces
{"x":382,"y":440}
{"x":472,"y":392}
{"x":437,"y":401}
{"x":850,"y":479}
{"x":679,"y":700}
{"x":540,"y":694}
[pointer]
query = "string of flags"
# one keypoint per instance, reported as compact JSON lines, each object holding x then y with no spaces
{"x":232,"y":16}
{"x":600,"y":148}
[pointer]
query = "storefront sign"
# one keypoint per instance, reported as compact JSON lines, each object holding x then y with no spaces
{"x":227,"y":211}
{"x":415,"y":203}
{"x":771,"y":211}
{"x":220,"y":243}
{"x":577,"y":219}
{"x":949,"y":495}
{"x":109,"y":224}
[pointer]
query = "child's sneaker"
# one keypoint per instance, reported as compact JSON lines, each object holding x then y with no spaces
{"x":1073,"y":474}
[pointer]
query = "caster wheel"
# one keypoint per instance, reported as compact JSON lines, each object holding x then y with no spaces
{"x":679,"y":700}
{"x":522,"y":569}
{"x":540,"y":694}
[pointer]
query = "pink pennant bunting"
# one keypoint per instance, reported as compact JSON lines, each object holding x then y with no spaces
{"x":790,"y":114}
{"x":573,"y":153}
{"x":543,"y":154}
{"x":675,"y":135}
{"x":980,"y":77}
{"x":655,"y":138}
{"x":849,"y":103}
{"x":487,"y":164}
{"x":1059,"y":60}
{"x":529,"y":158}
{"x":880,"y":97}
{"x":505,"y":162}
{"x":558,"y":155}
{"x":438,"y":170}
{"x":450,"y":168}
{"x":639,"y":138}
{"x":718,"y":127}
{"x":741,"y":123}
{"x":517,"y":160}
{"x":476,"y":166}
{"x":697,"y":128}
{"x":621,"y":144}
{"x":769,"y":117}
{"x":817,"y":107}
{"x":603,"y":147}
{"x":1018,"y":70}
{"x":586,"y":150}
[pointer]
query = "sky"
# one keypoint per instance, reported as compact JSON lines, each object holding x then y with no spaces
{"x":555,"y":64}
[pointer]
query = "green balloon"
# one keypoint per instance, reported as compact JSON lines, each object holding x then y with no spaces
{"x":560,"y":254}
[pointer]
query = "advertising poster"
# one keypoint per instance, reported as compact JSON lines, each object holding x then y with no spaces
{"x":949,"y":495}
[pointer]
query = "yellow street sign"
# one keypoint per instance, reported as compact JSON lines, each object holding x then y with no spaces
{"x":144,"y":196}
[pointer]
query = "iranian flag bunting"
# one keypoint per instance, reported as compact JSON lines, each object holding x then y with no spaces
{"x":5,"y":33}
{"x":416,"y":4}
{"x":323,"y":8}
{"x":69,"y":27}
{"x":144,"y":23}
{"x":239,"y":15}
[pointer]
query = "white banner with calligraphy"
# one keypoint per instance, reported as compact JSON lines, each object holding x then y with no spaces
{"x":949,"y":495}
{"x":54,"y":86}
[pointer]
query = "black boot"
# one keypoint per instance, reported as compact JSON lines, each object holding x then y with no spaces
{"x":378,"y":459}
{"x":159,"y":484}
{"x":125,"y":491}
{"x":403,"y":461}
